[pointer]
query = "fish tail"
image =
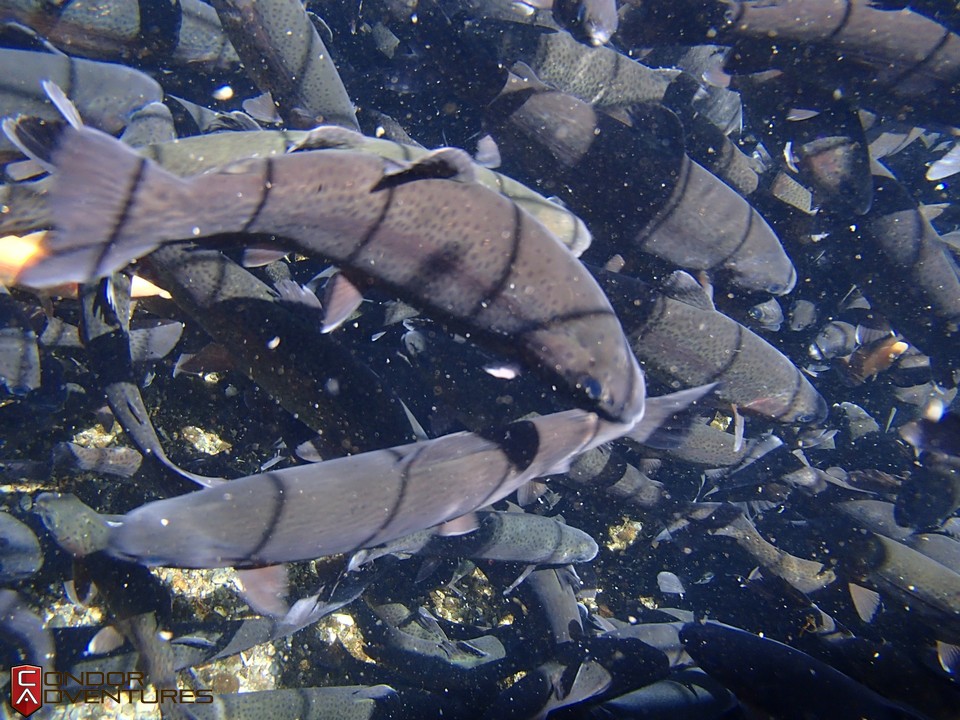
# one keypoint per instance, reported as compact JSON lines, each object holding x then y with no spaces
{"x":654,"y":429}
{"x":110,"y":206}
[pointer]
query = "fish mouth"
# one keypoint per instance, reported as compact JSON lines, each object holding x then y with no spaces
{"x":628,"y":406}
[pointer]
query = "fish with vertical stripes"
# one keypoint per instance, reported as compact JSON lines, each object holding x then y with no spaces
{"x":426,"y":230}
{"x":362,"y":501}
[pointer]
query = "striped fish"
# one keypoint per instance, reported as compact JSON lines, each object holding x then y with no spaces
{"x":348,"y":504}
{"x":426,"y":230}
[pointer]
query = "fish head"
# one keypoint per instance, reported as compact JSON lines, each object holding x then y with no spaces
{"x":770,"y":272}
{"x":592,"y":357}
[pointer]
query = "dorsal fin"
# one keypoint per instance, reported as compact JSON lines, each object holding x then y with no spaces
{"x":684,"y":287}
{"x":328,"y":137}
{"x":523,"y":77}
{"x":442,"y":164}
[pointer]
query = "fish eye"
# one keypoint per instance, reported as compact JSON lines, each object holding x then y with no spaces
{"x":591,"y":386}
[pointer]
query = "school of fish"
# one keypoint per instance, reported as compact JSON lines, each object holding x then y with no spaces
{"x":482,"y":358}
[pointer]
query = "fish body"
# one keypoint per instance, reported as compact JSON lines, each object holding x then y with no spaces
{"x":186,"y":31}
{"x":686,"y":343}
{"x":283,"y":52}
{"x":594,"y":21}
{"x":599,"y":75}
{"x":779,"y":680}
{"x":908,"y":273}
{"x":106,"y":335}
{"x":106,"y":94}
{"x":930,"y":590}
{"x":347,"y":504}
{"x":453,"y":246}
{"x":900,"y":59}
{"x":678,"y":211}
{"x":505,"y":537}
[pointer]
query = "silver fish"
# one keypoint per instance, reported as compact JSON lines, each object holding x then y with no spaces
{"x":351,"y":503}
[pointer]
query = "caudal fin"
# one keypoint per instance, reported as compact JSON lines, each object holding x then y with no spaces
{"x":110,"y":206}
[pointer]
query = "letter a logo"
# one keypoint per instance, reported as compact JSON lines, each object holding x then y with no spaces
{"x":26,"y":688}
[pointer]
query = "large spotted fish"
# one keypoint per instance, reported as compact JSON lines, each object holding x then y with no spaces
{"x":426,"y":230}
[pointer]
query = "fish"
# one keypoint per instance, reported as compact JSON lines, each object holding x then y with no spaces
{"x":106,"y":335}
{"x":767,"y":315}
{"x":901,"y":61}
{"x":781,"y":680}
{"x":599,"y":75}
{"x":282,"y":51}
{"x":807,"y":576}
{"x":928,"y":589}
{"x":554,"y":590}
{"x":609,"y":80}
{"x":907,"y":272}
{"x":686,"y":693}
{"x":415,"y":642}
{"x":185,"y":32}
{"x":106,"y":94}
{"x":606,"y":468}
{"x":198,"y":154}
{"x":678,"y":211}
{"x":593,"y":20}
{"x":20,"y":555}
{"x":382,"y":223}
{"x":348,"y":504}
{"x":691,"y":342}
{"x":502,"y":536}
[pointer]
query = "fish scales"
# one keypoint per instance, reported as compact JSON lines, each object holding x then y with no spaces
{"x":453,"y":246}
{"x":599,"y":75}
